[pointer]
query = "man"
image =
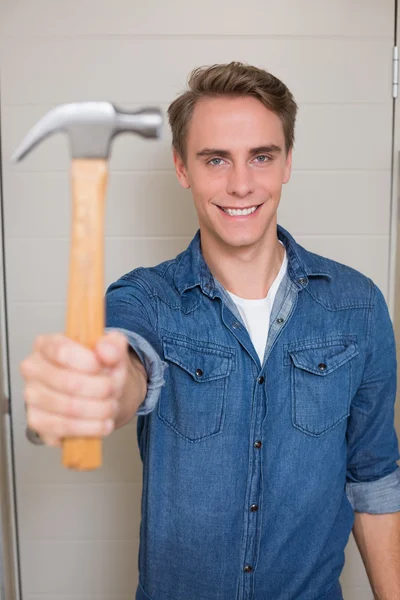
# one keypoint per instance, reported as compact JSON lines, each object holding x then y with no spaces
{"x":264,"y":377}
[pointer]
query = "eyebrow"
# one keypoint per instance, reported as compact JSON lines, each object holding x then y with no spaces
{"x":269,"y":149}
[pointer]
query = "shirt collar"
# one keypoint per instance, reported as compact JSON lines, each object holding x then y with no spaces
{"x":192,"y":270}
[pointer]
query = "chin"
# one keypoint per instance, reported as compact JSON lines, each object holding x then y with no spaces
{"x":242,"y":241}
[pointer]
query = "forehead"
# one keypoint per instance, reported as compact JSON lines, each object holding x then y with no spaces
{"x":227,"y":122}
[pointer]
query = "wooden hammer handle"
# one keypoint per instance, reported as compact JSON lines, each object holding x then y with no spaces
{"x":85,"y":307}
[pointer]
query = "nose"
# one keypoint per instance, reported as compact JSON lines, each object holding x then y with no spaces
{"x":240,"y":181}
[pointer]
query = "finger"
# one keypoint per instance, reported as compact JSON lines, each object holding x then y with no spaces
{"x":36,"y":369}
{"x":52,"y":441}
{"x":48,"y":425}
{"x":112,"y":348}
{"x":41,"y":397}
{"x":64,"y":352}
{"x":118,"y":376}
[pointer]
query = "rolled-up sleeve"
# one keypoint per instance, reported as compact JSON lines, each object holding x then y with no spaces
{"x":130,"y":309}
{"x":373,"y":477}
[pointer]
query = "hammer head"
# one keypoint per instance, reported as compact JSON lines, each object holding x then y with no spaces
{"x":91,"y":126}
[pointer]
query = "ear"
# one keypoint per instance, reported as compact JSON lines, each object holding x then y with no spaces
{"x":181,"y":171}
{"x":288,"y":167}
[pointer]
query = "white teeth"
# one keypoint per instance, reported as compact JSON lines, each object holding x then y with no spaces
{"x":236,"y":212}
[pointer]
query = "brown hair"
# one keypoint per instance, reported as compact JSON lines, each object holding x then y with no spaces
{"x":233,"y":79}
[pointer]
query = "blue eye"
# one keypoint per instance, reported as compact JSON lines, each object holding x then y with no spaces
{"x":262,"y":158}
{"x":213,"y":163}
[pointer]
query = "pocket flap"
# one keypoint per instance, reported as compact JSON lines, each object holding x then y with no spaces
{"x":201,"y":361}
{"x":324,"y":360}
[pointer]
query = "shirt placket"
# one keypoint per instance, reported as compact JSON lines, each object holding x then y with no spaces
{"x":282,"y":310}
{"x":253,"y":498}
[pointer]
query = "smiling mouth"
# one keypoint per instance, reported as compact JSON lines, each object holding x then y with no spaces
{"x":240,"y":212}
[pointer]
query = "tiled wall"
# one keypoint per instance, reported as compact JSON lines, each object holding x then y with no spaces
{"x":78,"y":532}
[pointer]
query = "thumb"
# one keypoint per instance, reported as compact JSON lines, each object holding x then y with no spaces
{"x":111,"y":348}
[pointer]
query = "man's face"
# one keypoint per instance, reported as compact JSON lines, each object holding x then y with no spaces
{"x":235,"y":161}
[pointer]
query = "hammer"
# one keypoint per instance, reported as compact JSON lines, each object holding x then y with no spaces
{"x":91,"y":126}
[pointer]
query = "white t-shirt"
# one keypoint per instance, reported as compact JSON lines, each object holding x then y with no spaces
{"x":256,"y":314}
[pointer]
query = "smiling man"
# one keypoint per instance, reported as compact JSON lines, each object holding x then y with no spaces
{"x":235,"y":159}
{"x":263,"y":377}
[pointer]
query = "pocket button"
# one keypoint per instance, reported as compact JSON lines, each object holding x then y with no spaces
{"x":199,"y":372}
{"x":322,"y":366}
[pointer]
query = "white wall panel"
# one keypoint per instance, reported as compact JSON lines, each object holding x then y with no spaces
{"x":114,"y":69}
{"x":82,"y":519}
{"x":79,"y":567}
{"x":140,"y":204}
{"x":289,"y":18}
{"x":42,"y":465}
{"x":44,"y":263}
{"x":323,"y":203}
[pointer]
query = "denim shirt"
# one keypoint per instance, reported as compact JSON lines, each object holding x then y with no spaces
{"x":252,"y":472}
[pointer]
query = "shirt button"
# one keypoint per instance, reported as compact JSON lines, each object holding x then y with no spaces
{"x":235,"y":325}
{"x":254,"y":508}
{"x":322,"y":366}
{"x":248,"y":569}
{"x":257,"y":444}
{"x":280,"y":320}
{"x":261,"y":380}
{"x":302,"y":281}
{"x":199,"y":372}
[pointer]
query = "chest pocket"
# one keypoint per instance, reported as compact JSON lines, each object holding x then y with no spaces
{"x":193,"y":399}
{"x":321,"y":376}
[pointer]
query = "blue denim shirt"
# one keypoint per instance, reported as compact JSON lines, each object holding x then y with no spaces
{"x":252,"y":472}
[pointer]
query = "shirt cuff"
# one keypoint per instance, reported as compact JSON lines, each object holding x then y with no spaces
{"x":154,"y":368}
{"x":376,"y":497}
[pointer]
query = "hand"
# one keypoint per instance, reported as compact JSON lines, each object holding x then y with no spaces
{"x":71,"y":391}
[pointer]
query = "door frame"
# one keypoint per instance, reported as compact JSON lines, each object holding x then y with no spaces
{"x":394,"y":249}
{"x":9,"y":550}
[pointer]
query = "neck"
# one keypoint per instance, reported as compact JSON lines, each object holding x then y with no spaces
{"x":247,"y":272}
